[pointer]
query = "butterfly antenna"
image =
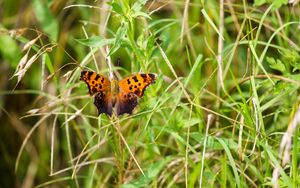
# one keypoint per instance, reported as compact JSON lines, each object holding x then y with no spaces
{"x":118,"y":61}
{"x":118,"y":64}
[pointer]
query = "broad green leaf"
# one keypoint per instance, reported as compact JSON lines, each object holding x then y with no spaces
{"x":231,"y":161}
{"x":276,"y":3}
{"x":196,"y":64}
{"x":117,"y":8}
{"x":120,"y":37}
{"x":276,"y":64}
{"x":150,"y":46}
{"x":279,"y":3}
{"x":137,"y":6}
{"x":47,"y":20}
{"x":212,"y":143}
{"x":259,"y":2}
{"x":142,"y":14}
{"x":292,"y":58}
{"x":12,"y":54}
{"x":151,"y":173}
{"x":95,"y":41}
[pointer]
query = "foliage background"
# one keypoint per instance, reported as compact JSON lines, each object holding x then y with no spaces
{"x":223,"y":112}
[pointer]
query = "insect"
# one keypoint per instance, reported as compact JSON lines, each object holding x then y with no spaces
{"x":119,"y":95}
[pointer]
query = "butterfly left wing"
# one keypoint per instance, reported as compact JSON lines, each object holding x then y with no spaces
{"x":137,"y":83}
{"x":99,"y":86}
{"x":95,"y":82}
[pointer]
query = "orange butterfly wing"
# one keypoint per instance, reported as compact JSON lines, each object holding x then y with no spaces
{"x":137,"y":83}
{"x":95,"y":82}
{"x":100,"y":86}
{"x":132,"y":88}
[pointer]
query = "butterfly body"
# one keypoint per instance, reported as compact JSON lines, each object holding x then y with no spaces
{"x":119,"y":96}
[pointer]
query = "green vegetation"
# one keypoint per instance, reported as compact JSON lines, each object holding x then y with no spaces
{"x":223,"y":112}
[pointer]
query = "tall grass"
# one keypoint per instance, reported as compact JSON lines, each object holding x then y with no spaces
{"x":223,"y":112}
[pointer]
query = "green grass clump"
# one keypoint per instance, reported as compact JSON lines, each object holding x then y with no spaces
{"x":223,"y":112}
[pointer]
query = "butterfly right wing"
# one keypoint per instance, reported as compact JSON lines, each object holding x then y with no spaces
{"x":132,"y":88}
{"x":137,"y":83}
{"x":99,"y":86}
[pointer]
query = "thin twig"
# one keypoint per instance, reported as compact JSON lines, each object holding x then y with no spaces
{"x":187,"y":147}
{"x":93,"y":55}
{"x":52,"y":145}
{"x":209,"y":119}
{"x":220,"y":45}
{"x":109,"y":64}
{"x":184,"y":24}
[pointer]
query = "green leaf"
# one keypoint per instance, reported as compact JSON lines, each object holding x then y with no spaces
{"x":120,"y":37}
{"x":279,"y":3}
{"x":137,"y":6}
{"x":95,"y":41}
{"x":151,"y":173}
{"x":150,"y":45}
{"x":47,"y":20}
{"x":117,"y":8}
{"x":142,"y":14}
{"x":276,"y":64}
{"x":12,"y":54}
{"x":292,"y":58}
{"x":259,"y":2}
{"x":231,"y":161}
{"x":197,"y":63}
{"x":276,"y":3}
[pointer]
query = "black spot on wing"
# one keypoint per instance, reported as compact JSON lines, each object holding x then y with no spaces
{"x":89,"y":75}
{"x":144,"y":75}
{"x":135,"y":79}
{"x":82,"y":75}
{"x":137,"y":92}
{"x":94,"y":90}
{"x":97,"y":77}
{"x":152,"y":76}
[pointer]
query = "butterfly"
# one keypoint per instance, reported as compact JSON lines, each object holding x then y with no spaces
{"x":113,"y":94}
